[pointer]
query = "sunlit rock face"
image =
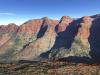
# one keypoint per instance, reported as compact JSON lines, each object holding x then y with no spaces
{"x":63,"y":38}
{"x":33,"y":26}
{"x":7,"y":32}
{"x":81,"y":45}
{"x":44,"y":42}
{"x":64,"y":22}
{"x":84,"y":30}
{"x":8,"y":28}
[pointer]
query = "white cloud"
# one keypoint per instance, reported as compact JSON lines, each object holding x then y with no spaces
{"x":9,"y":14}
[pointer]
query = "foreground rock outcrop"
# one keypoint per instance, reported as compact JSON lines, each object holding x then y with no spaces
{"x":39,"y":38}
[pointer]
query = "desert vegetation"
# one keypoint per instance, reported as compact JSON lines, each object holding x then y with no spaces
{"x":50,"y":68}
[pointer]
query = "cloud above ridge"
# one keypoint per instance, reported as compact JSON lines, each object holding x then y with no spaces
{"x":8,"y":14}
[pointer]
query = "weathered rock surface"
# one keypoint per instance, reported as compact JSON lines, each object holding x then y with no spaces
{"x":6,"y":34}
{"x":84,"y":30}
{"x":38,"y":46}
{"x":64,"y":22}
{"x":38,"y":36}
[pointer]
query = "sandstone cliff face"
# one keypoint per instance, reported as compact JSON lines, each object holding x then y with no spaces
{"x":38,"y":46}
{"x":9,"y":28}
{"x":33,"y":26}
{"x":64,"y":22}
{"x":84,"y":30}
{"x":81,"y":46}
{"x":38,"y":36}
{"x":30,"y":27}
{"x":44,"y":42}
{"x":76,"y":35}
{"x":94,"y":38}
{"x":6,"y":34}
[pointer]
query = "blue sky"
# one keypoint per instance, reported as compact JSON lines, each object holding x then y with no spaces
{"x":19,"y":11}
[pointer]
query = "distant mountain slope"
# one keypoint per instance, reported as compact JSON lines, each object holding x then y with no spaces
{"x":40,"y":39}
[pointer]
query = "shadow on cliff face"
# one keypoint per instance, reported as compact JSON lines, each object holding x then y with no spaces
{"x":94,"y":40}
{"x":66,"y":38}
{"x":42,"y":31}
